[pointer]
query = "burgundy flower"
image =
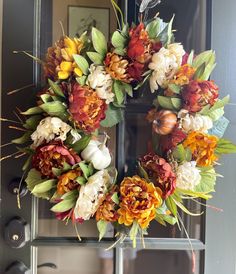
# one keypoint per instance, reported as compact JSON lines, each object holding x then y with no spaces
{"x":160,"y":172}
{"x":135,"y":70}
{"x":198,"y":94}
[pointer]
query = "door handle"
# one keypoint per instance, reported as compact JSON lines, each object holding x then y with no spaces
{"x":17,"y":232}
{"x":16,"y":186}
{"x":17,"y":267}
{"x":50,"y":265}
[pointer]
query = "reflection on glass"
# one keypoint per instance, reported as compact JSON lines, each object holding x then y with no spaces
{"x":161,"y":261}
{"x":138,"y":142}
{"x":74,"y":260}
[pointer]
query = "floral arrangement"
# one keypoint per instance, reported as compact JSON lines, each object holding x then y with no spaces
{"x":88,"y":79}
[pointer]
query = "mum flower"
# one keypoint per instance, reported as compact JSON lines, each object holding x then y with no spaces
{"x":165,"y":64}
{"x":86,"y":108}
{"x":202,"y":147}
{"x":184,"y":75}
{"x":101,"y":81}
{"x":197,"y":122}
{"x":92,"y":194}
{"x":139,"y":201}
{"x":160,"y":173}
{"x":50,"y":128}
{"x":53,"y":155}
{"x":188,"y":176}
{"x":67,"y":181}
{"x":198,"y":94}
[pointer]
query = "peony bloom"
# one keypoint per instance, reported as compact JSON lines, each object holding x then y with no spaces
{"x":50,"y":128}
{"x":86,"y":108}
{"x":170,"y":141}
{"x":102,"y":82}
{"x":53,"y":155}
{"x":196,"y":122}
{"x":160,"y":172}
{"x":92,"y":194}
{"x":183,"y":75}
{"x":117,"y":67}
{"x":165,"y":64}
{"x":202,"y":147}
{"x":59,"y":63}
{"x":198,"y":94}
{"x":139,"y":201}
{"x":67,"y":181}
{"x":188,"y":176}
{"x":107,"y":210}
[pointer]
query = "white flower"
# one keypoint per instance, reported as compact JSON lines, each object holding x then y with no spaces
{"x":188,"y":176}
{"x":48,"y":129}
{"x":101,"y":81}
{"x":91,"y":194}
{"x":196,"y":122}
{"x":165,"y":64}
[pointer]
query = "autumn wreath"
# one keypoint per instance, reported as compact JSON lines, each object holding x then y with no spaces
{"x":88,"y":79}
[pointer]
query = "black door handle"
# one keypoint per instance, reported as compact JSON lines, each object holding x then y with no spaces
{"x":17,"y":267}
{"x":50,"y":265}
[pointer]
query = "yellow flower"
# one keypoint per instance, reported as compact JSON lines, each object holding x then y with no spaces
{"x":183,"y":75}
{"x":202,"y":147}
{"x":67,"y":181}
{"x":139,"y":201}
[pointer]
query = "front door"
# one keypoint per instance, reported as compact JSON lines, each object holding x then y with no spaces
{"x":32,"y":240}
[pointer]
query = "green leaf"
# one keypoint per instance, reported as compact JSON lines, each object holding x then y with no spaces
{"x":219,"y":104}
{"x":176,"y":102}
{"x":204,"y":57}
{"x":174,"y":88}
{"x":46,"y":98}
{"x":153,"y":28}
{"x":32,"y":111}
{"x":225,"y":146}
{"x":179,"y":153}
{"x":171,"y":205}
{"x":181,"y":206}
{"x":170,"y":219}
{"x":208,"y":180}
{"x":113,"y":116}
{"x":81,"y":80}
{"x":169,"y":102}
{"x":159,"y":219}
{"x":95,"y":57}
{"x":102,"y":228}
{"x":115,"y":198}
{"x":32,"y":122}
{"x":44,"y":186}
{"x":81,"y":63}
{"x":120,"y":51}
{"x":81,"y":144}
{"x":55,"y":108}
{"x":85,"y":169}
{"x":190,"y":58}
{"x":133,"y":233}
{"x":64,"y":205}
{"x":27,"y":163}
{"x":99,"y":41}
{"x":195,"y":194}
{"x":128,"y":89}
{"x":142,"y":172}
{"x":80,"y":180}
{"x":66,"y":167}
{"x":23,"y":139}
{"x":57,"y":171}
{"x":56,"y":88}
{"x":166,"y":34}
{"x":118,"y":40}
{"x":118,"y":90}
{"x":219,"y":127}
{"x":216,"y":114}
{"x":73,"y":194}
{"x":199,"y":72}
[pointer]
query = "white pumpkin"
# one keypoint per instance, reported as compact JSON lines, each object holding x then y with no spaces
{"x":98,"y":154}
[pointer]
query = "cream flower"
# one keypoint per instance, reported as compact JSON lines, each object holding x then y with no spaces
{"x":196,"y":122}
{"x":165,"y":64}
{"x":48,"y":129}
{"x":188,"y":176}
{"x":91,"y":194}
{"x":99,"y":80}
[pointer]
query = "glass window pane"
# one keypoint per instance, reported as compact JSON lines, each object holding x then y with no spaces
{"x":74,"y":260}
{"x":159,"y":262}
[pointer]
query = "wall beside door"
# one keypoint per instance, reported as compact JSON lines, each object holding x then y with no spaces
{"x":221,"y":227}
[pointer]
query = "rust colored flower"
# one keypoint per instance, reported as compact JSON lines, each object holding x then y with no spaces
{"x":183,"y":75}
{"x":198,"y":94}
{"x":107,"y":210}
{"x":135,"y":70}
{"x":59,"y":63}
{"x":202,"y":147}
{"x":67,"y":182}
{"x":53,"y":155}
{"x":86,"y":108}
{"x":117,"y":67}
{"x":170,"y":141}
{"x":160,"y":172}
{"x":139,"y":200}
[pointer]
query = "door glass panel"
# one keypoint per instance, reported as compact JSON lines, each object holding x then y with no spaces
{"x":74,"y":260}
{"x":159,"y":262}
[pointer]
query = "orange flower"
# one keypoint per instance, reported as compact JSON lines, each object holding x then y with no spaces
{"x":202,"y":147}
{"x":139,"y":200}
{"x":107,"y":210}
{"x":86,"y":108}
{"x":67,"y":181}
{"x":184,"y":75}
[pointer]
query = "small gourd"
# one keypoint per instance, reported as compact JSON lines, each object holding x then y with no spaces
{"x":164,"y":122}
{"x":98,"y":154}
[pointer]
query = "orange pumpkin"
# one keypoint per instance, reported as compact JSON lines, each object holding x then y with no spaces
{"x":165,"y":121}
